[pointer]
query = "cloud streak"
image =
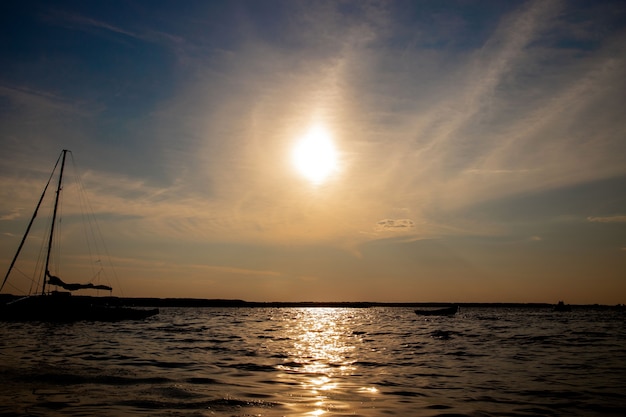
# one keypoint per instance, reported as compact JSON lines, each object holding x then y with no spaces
{"x":607,"y":219}
{"x":395,"y":225}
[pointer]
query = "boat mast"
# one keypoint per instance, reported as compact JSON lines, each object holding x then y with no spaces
{"x":54,"y":216}
{"x":30,"y":224}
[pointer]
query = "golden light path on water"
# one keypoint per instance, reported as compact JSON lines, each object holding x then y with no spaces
{"x":323,"y":354}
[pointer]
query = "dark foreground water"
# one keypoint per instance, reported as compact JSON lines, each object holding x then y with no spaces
{"x":319,"y":362}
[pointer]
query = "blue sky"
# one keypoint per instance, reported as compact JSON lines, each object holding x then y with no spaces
{"x":480,"y":145}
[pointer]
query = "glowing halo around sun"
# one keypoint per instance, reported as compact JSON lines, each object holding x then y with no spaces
{"x":315,"y":156}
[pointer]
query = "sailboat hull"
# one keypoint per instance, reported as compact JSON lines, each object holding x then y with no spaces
{"x":65,"y":308}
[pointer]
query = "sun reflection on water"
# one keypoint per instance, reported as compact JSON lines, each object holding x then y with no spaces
{"x":322,"y":358}
{"x":322,"y":343}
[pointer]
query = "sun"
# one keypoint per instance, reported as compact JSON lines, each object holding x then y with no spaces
{"x":314,"y":155}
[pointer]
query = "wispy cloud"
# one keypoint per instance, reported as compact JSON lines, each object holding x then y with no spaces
{"x":12,"y":215}
{"x":85,"y":23}
{"x":395,"y":225}
{"x":242,"y":271}
{"x":77,"y":20}
{"x":41,"y":100}
{"x":607,"y":219}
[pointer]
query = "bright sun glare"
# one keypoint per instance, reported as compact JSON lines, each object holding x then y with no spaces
{"x":315,"y":156}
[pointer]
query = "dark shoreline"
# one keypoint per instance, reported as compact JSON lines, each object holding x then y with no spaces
{"x":199,"y":302}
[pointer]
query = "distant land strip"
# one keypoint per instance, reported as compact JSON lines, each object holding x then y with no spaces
{"x":200,"y":302}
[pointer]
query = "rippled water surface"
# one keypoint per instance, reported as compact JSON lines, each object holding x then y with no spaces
{"x":319,"y":362}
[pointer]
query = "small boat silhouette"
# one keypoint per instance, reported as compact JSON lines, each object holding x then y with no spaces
{"x":561,"y":306}
{"x":447,"y":311}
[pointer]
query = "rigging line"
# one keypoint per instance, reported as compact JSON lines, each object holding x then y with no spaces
{"x":30,"y":223}
{"x":96,"y":232}
{"x":87,"y":228}
{"x":39,"y":267}
{"x":84,"y":214}
{"x":18,"y":290}
{"x":25,"y":276}
{"x":39,"y":263}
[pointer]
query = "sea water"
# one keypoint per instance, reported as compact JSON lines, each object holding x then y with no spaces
{"x":319,"y":362}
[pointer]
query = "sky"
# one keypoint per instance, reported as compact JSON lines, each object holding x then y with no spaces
{"x":457,"y":151}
